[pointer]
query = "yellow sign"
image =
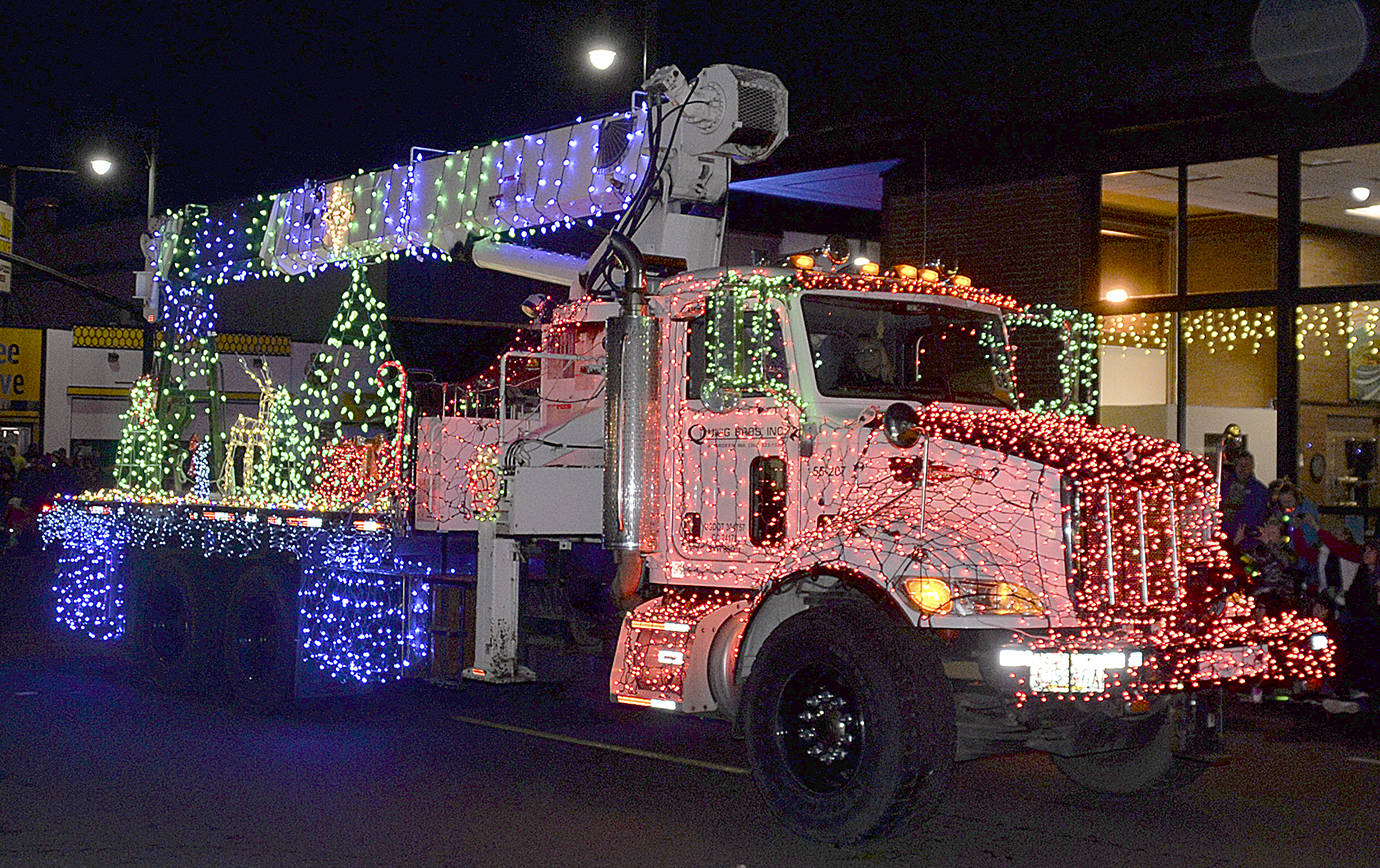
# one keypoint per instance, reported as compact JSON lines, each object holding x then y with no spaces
{"x":6,"y":246}
{"x":21,"y":364}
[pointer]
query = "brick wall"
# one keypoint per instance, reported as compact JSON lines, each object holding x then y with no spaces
{"x":1032,"y":239}
{"x":1037,"y":363}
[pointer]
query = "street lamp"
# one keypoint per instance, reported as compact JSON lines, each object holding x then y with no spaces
{"x":601,"y":57}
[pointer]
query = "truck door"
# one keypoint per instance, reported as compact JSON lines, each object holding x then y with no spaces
{"x":733,"y":494}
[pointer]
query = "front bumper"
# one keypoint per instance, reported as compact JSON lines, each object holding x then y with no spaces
{"x":1087,"y":665}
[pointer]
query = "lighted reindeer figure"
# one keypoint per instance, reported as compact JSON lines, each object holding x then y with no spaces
{"x":255,"y":435}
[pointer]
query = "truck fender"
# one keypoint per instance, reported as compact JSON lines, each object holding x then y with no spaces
{"x":736,"y":645}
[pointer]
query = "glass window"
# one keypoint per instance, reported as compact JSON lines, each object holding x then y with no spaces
{"x":1135,"y":356}
{"x":1339,"y":402}
{"x":1339,"y":205}
{"x":1137,"y":249}
{"x":764,"y":355}
{"x":1233,"y":210}
{"x":767,"y":523}
{"x":1229,"y":362}
{"x":894,"y":348}
{"x":1232,"y":229}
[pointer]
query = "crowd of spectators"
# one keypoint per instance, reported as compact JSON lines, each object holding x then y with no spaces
{"x":30,"y":480}
{"x":1295,"y":563}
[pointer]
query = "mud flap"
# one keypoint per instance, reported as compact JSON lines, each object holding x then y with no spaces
{"x":1202,"y":724}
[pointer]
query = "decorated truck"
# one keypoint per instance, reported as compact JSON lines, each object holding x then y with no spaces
{"x":833,"y":518}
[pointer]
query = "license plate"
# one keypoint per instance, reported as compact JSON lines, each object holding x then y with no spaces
{"x":1067,"y":673}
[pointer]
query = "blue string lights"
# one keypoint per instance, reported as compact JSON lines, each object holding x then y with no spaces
{"x":90,"y":592}
{"x":354,"y":615}
{"x":363,"y":616}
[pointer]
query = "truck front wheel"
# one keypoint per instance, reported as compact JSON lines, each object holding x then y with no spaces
{"x":1148,"y":767}
{"x":850,"y":724}
{"x":260,"y":651}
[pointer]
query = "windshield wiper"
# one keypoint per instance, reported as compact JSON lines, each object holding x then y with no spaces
{"x":988,"y":398}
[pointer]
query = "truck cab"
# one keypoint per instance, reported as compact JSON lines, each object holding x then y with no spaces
{"x":833,"y":455}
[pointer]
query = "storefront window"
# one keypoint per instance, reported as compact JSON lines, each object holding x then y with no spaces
{"x":1136,"y":365}
{"x":1137,"y":247}
{"x":1339,"y":206}
{"x":1339,"y":401}
{"x":1232,"y":220}
{"x":1229,"y":360}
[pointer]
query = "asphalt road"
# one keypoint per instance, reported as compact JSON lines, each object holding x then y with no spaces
{"x":96,"y":767}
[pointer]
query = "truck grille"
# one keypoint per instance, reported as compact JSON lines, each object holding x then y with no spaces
{"x":1137,"y":545}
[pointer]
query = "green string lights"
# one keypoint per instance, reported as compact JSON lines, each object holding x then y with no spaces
{"x":1077,"y":356}
{"x":744,"y":353}
{"x":139,"y":458}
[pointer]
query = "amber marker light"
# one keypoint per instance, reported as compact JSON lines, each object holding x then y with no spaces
{"x":906,"y":272}
{"x":930,"y":594}
{"x":1009,"y":598}
{"x":803,"y":261}
{"x":870,"y":268}
{"x":962,"y":280}
{"x":929,"y":274}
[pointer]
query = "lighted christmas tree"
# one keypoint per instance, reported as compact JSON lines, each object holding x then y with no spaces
{"x":139,"y":459}
{"x":341,"y":391}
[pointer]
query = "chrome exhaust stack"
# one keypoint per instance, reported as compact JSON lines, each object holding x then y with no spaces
{"x":631,"y":419}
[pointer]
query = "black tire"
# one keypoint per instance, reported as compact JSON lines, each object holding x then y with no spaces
{"x":850,"y":724}
{"x":1151,"y":767}
{"x":180,"y":628}
{"x":260,"y":641}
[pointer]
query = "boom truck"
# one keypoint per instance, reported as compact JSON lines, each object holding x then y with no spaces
{"x":832,"y":523}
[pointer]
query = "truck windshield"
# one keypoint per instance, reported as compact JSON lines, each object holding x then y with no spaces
{"x":870,"y":347}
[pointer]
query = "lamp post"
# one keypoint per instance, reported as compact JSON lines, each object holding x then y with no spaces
{"x":101,"y":163}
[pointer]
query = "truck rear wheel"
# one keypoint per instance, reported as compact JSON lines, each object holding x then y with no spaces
{"x":850,"y":724}
{"x":260,"y":646}
{"x":179,"y":634}
{"x":1151,"y":767}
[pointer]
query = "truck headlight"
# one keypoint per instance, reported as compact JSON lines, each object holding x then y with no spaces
{"x":1011,"y":658}
{"x":1113,"y":660}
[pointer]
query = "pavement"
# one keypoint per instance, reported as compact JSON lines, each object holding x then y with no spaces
{"x":98,"y":768}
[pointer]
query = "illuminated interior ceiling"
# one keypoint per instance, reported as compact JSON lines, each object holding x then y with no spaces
{"x":855,"y":186}
{"x":1248,"y":187}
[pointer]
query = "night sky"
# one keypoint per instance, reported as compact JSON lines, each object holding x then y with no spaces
{"x":255,"y":98}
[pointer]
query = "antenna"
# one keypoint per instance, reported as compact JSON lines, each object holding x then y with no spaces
{"x":925,"y":203}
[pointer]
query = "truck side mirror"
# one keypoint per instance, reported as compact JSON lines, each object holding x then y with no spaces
{"x":1057,"y":359}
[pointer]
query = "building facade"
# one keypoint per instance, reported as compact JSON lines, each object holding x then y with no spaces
{"x":1232,"y":257}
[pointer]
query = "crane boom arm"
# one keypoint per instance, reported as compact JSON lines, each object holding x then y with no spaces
{"x":528,"y":183}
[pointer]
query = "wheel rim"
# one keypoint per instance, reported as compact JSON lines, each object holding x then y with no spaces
{"x":167,"y":622}
{"x":820,"y":727}
{"x":256,"y":637}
